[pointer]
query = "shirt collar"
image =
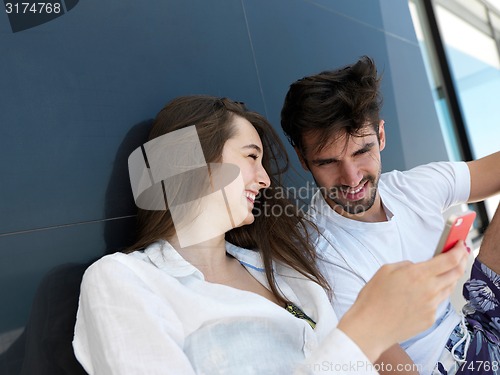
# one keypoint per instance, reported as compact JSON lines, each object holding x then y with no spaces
{"x":165,"y":257}
{"x":249,"y":258}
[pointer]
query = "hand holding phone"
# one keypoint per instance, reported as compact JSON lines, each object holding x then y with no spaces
{"x":456,"y":229}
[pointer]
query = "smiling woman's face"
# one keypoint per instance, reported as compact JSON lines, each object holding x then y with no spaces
{"x":245,"y":151}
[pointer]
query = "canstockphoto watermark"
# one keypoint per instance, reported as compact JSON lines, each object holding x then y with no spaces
{"x":299,"y":199}
{"x":363,"y":366}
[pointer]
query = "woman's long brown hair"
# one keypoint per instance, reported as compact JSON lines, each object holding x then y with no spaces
{"x":280,"y":231}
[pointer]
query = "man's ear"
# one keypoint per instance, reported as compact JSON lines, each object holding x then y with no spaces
{"x":301,"y":158}
{"x":381,"y":135}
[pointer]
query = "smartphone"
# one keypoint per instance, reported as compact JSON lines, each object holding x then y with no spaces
{"x":456,"y":229}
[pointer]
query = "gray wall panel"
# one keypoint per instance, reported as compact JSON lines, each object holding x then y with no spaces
{"x":411,"y":106}
{"x":301,"y":38}
{"x":27,"y":257}
{"x":73,"y":87}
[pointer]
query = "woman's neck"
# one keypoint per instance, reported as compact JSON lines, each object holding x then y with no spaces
{"x":218,"y":267}
{"x":209,"y":256}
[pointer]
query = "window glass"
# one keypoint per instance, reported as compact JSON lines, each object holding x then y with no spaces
{"x":468,"y":30}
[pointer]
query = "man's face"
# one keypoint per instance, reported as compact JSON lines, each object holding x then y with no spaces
{"x":347,"y":171}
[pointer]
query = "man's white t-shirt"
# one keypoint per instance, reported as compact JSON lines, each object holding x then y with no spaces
{"x":414,"y":202}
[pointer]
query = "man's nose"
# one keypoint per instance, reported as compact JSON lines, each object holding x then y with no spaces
{"x":350,"y":174}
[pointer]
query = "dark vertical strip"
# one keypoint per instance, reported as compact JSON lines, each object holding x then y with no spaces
{"x":493,"y":32}
{"x":164,"y":194}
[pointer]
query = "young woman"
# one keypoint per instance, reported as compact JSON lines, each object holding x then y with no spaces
{"x":222,"y":278}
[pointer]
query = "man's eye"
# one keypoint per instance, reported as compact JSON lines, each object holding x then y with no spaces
{"x":362,"y":152}
{"x":366,"y":149}
{"x":323,"y":163}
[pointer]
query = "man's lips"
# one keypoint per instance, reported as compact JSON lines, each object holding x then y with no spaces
{"x":353,"y":194}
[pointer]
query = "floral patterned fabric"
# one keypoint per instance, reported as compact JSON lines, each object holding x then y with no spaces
{"x":478,"y":350}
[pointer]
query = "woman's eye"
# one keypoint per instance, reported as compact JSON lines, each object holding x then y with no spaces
{"x":253,"y":156}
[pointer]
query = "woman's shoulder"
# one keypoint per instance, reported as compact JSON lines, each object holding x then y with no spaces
{"x":110,"y":264}
{"x":120,"y":264}
{"x":157,"y":260}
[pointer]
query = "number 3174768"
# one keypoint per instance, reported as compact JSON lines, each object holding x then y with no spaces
{"x":32,"y":7}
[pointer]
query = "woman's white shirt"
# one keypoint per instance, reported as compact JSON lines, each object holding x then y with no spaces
{"x":152,"y":312}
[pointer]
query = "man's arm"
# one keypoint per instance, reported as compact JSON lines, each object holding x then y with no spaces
{"x":484,"y":177}
{"x":489,"y":252}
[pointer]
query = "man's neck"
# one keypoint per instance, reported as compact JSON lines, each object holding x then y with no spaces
{"x":375,"y":214}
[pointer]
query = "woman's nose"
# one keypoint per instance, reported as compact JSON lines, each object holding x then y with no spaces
{"x":263,"y":178}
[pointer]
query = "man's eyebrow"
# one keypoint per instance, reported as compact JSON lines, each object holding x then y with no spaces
{"x":253,"y":147}
{"x":325,"y":160}
{"x":365,"y":148}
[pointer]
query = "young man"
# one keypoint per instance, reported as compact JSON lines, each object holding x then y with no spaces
{"x":332,"y":120}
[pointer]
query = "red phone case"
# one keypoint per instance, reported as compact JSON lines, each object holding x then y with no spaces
{"x":456,"y":229}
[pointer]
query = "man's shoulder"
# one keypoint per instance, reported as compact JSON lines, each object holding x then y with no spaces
{"x":431,"y":173}
{"x":426,"y":170}
{"x":436,"y":184}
